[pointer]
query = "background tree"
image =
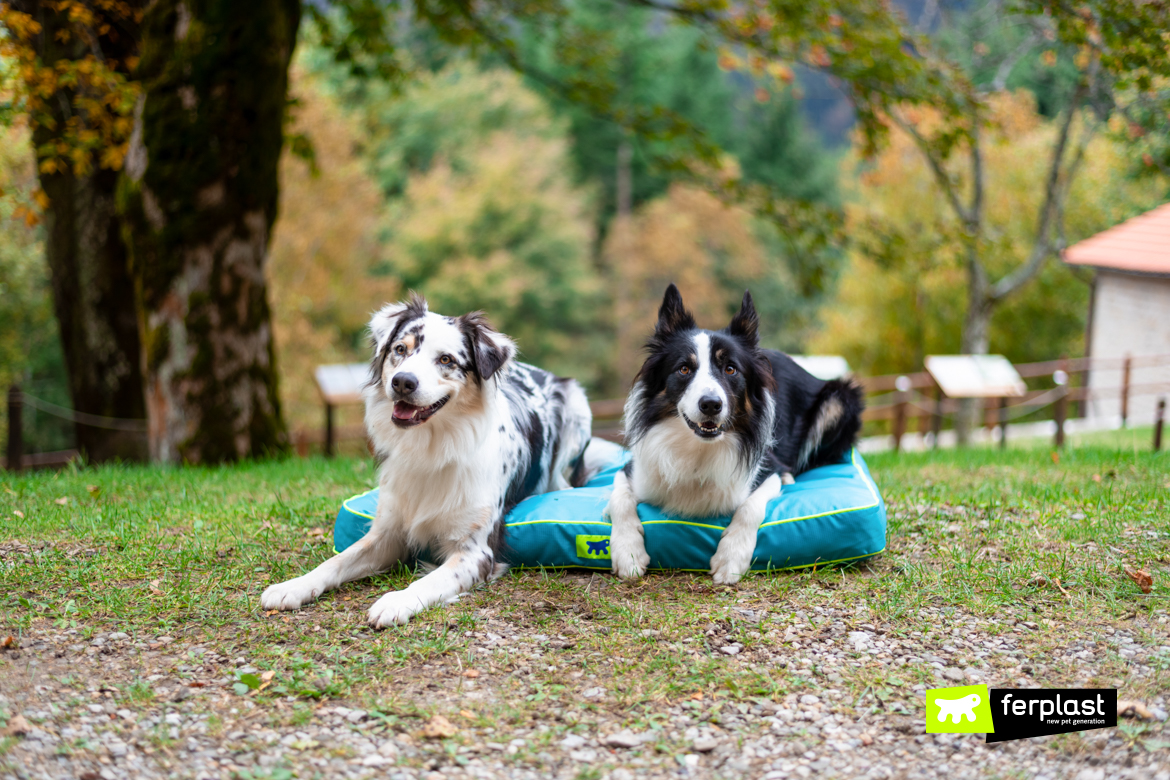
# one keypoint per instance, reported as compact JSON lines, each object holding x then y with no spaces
{"x":75,"y":60}
{"x":199,"y":198}
{"x":903,"y":293}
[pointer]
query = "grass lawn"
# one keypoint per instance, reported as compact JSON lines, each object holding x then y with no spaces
{"x":139,"y":648}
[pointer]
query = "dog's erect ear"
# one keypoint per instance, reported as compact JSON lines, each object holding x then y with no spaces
{"x":490,"y":349}
{"x":746,"y":324}
{"x":384,"y":321}
{"x":672,"y":314}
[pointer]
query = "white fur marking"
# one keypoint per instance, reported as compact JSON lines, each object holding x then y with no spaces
{"x":627,"y":545}
{"x":704,"y":383}
{"x":827,"y":417}
{"x":737,"y":546}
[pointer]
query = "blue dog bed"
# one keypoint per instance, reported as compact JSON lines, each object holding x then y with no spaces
{"x":832,"y":515}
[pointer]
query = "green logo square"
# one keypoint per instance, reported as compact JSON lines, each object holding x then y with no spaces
{"x":593,"y":547}
{"x":962,"y":710}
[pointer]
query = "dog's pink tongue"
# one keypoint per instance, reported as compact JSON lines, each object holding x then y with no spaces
{"x":404,"y":411}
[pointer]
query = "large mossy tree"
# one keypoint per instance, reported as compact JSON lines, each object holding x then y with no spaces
{"x":93,"y":297}
{"x":199,"y":197}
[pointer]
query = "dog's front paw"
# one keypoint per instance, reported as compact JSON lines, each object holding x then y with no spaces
{"x":395,"y":609}
{"x":628,"y":555}
{"x":290,"y":594}
{"x":733,"y":557}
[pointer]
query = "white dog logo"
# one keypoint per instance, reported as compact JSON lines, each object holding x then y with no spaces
{"x":957,"y":708}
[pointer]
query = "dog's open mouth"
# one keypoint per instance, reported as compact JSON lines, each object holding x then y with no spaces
{"x":707,"y":429}
{"x":406,"y":415}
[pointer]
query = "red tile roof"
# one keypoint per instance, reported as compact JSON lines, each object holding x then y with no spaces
{"x":1141,"y":244}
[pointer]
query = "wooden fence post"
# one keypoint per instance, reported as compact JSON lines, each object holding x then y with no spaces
{"x":15,"y":431}
{"x":328,"y":430}
{"x":1003,"y":421}
{"x":936,"y":419}
{"x":1159,"y":417}
{"x":1125,"y":369}
{"x":901,"y":399}
{"x":1062,"y":380}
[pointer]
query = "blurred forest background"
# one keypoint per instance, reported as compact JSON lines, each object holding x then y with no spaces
{"x":481,"y":189}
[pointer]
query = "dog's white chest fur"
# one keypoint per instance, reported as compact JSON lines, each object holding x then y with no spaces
{"x":682,"y":474}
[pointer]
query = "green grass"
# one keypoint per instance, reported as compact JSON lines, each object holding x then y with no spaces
{"x":1021,"y":535}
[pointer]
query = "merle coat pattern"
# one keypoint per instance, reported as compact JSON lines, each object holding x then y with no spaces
{"x":465,"y":432}
{"x":716,"y":426}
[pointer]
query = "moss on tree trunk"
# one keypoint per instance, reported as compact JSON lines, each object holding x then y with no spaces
{"x":93,"y":295}
{"x":199,"y":197}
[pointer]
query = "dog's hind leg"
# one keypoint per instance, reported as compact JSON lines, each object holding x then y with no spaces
{"x":472,"y":562}
{"x":375,"y":552}
{"x":627,"y":543}
{"x":737,"y":546}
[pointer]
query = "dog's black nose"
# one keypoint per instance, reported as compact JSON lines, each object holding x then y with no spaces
{"x":404,"y":384}
{"x":710,"y":404}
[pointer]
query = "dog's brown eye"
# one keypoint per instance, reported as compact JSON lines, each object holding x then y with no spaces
{"x":445,"y":360}
{"x":399,"y":349}
{"x":729,"y":370}
{"x":685,"y":370}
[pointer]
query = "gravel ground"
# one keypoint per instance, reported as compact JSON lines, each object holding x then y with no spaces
{"x":114,"y":706}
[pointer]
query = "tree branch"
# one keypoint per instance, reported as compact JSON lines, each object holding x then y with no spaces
{"x":1043,"y":247}
{"x":940,"y":173}
{"x":999,"y":83}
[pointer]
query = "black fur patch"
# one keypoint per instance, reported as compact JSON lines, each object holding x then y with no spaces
{"x":799,"y":399}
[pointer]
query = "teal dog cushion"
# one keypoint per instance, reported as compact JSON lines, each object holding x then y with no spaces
{"x":833,"y":514}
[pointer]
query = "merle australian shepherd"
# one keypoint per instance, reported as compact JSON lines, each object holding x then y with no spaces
{"x":465,"y":432}
{"x":716,"y":426}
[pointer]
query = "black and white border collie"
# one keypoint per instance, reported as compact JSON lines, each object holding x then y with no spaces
{"x":716,"y":425}
{"x":465,"y":432}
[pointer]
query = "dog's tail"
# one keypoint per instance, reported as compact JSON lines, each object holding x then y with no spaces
{"x":580,"y":474}
{"x":833,"y":422}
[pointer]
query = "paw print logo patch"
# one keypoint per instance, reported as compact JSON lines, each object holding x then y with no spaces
{"x":962,"y":710}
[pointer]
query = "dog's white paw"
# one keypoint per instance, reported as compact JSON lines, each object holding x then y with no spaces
{"x":396,"y":608}
{"x":733,"y":557}
{"x":290,"y":594}
{"x":628,"y":556}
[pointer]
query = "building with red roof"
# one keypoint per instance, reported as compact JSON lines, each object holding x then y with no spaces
{"x":1129,"y":311}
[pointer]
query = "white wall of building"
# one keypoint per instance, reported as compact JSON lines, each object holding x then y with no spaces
{"x":1131,"y":315}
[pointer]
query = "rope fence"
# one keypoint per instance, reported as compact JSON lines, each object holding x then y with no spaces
{"x":894,"y":398}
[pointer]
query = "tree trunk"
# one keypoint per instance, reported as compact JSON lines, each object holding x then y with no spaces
{"x":93,"y":295}
{"x":199,"y":198}
{"x":975,"y":341}
{"x":94,"y":300}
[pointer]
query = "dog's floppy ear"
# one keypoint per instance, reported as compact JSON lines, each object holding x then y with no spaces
{"x":384,"y":321}
{"x":746,"y":324}
{"x":490,"y":350}
{"x":673,"y":315}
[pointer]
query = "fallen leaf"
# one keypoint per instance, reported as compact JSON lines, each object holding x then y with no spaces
{"x":63,"y":500}
{"x":17,"y":727}
{"x":267,"y":676}
{"x":471,"y":673}
{"x":438,"y":727}
{"x":154,"y":588}
{"x":1133,"y":709}
{"x":1055,"y":461}
{"x":1142,"y":578}
{"x":9,"y":643}
{"x":18,"y":513}
{"x":467,"y":713}
{"x":272,"y":612}
{"x":196,"y":684}
{"x":697,"y":696}
{"x":318,"y":532}
{"x":1096,"y":477}
{"x":94,"y":490}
